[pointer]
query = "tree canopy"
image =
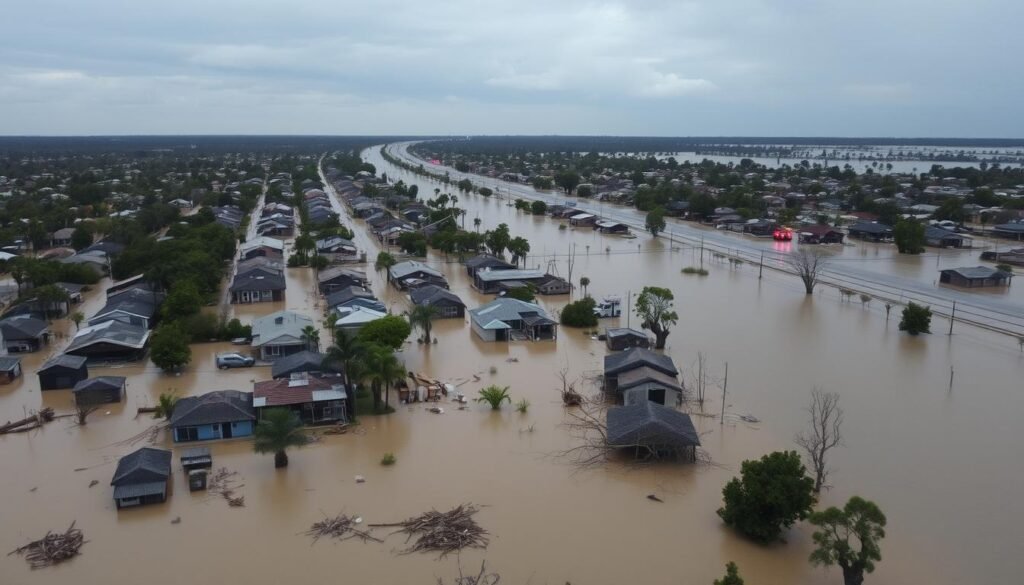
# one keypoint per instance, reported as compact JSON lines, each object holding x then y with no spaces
{"x":389,"y":331}
{"x":771,"y":493}
{"x":849,"y":538}
{"x":654,"y":307}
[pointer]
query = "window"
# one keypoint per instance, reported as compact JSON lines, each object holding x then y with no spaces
{"x":187,"y":434}
{"x":272,"y":350}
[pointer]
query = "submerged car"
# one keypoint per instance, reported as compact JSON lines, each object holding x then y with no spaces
{"x":234,"y":360}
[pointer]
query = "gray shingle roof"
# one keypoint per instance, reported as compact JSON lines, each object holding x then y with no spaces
{"x":973,"y":272}
{"x":257,"y":279}
{"x":8,"y":363}
{"x":73,"y":362}
{"x":99,"y":383}
{"x":647,"y":423}
{"x":303,"y":361}
{"x":431,"y":294}
{"x":403,"y":269}
{"x":347,"y":294}
{"x":637,"y":357}
{"x":267,"y":329}
{"x":22,"y":328}
{"x":146,"y":465}
{"x":504,"y":309}
{"x":213,"y":407}
{"x":114,"y":332}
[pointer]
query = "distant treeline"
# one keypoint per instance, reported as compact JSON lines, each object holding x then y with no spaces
{"x":141,"y":145}
{"x":510,"y":144}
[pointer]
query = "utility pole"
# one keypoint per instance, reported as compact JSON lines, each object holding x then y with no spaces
{"x":702,"y":251}
{"x":952,"y":317}
{"x":629,"y":297}
{"x":725,"y":386}
{"x":760,"y":267}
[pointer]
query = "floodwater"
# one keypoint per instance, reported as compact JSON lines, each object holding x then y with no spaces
{"x":941,"y":461}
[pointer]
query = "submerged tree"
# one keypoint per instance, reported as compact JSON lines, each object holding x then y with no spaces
{"x":494,"y":395}
{"x":916,"y":319}
{"x":384,"y":261}
{"x":808,"y":263}
{"x":655,"y":222}
{"x":823,"y":434}
{"x":279,"y":429}
{"x":654,"y":307}
{"x":584,"y":283}
{"x":732,"y":575}
{"x":859,"y":524}
{"x":165,"y":405}
{"x":311,"y":336}
{"x":771,"y":494}
{"x":422,"y":318}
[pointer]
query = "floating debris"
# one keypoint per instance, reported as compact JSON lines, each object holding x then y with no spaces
{"x":360,"y":479}
{"x":654,"y":498}
{"x":341,"y":527}
{"x":223,"y":484}
{"x":53,"y":548}
{"x":443,"y":532}
{"x":93,"y":482}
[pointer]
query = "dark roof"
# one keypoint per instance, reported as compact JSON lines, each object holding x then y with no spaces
{"x":870,"y":228}
{"x":136,"y":301}
{"x":64,"y":360}
{"x":347,"y":294}
{"x":256,"y":280}
{"x":648,"y":423}
{"x":111,"y":248}
{"x":99,"y":383}
{"x":932,"y":232}
{"x":644,"y":375}
{"x":213,"y":407}
{"x":1013,"y":226}
{"x":625,"y":332}
{"x":976,"y":272}
{"x":303,"y":361}
{"x":431,"y":294}
{"x":485,"y":260}
{"x":22,"y":328}
{"x":637,"y":357}
{"x":147,"y":465}
{"x":8,"y":363}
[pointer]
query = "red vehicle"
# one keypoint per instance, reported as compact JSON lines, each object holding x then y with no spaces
{"x":783,"y":234}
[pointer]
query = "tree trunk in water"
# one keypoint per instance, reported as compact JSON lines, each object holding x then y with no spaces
{"x":280,"y":459}
{"x":659,"y":339}
{"x":808,"y":285}
{"x":387,"y":396}
{"x":853,"y":576}
{"x":376,"y":398}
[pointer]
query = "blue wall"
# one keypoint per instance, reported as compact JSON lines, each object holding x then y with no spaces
{"x":213,"y":431}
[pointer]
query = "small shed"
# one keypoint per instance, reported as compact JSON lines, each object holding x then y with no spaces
{"x":99,"y":390}
{"x":652,"y":431}
{"x":196,"y":458}
{"x":619,"y":338}
{"x":975,"y":276}
{"x":63,"y":371}
{"x":142,"y":477}
{"x":10,"y":369}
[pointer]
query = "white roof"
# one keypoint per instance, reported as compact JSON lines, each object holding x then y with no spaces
{"x":582,"y":216}
{"x":262,"y":241}
{"x":324,"y":395}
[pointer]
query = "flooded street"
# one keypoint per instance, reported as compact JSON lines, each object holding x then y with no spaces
{"x":942,"y":462}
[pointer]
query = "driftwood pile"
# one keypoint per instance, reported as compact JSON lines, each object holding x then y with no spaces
{"x":223,"y":484}
{"x":36,"y":420}
{"x":481,"y":578}
{"x":53,"y":548}
{"x":443,"y":532}
{"x":341,"y":527}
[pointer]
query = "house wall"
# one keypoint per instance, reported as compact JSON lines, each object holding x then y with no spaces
{"x":98,"y":396}
{"x":267,"y":351}
{"x":8,"y":377}
{"x":485,"y":334}
{"x":627,"y":341}
{"x":109,"y":352}
{"x":61,"y":378}
{"x":641,"y":393}
{"x":213,"y":431}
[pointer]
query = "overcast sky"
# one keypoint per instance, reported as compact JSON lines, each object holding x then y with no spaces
{"x":644,"y":67}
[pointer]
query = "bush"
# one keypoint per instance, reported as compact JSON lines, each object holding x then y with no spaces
{"x":200,"y":327}
{"x":169,"y":348}
{"x":771,"y":494}
{"x":916,"y":319}
{"x":580,"y":313}
{"x":234,"y":329}
{"x":695,"y":270}
{"x":539,"y":207}
{"x":523,"y":405}
{"x":388,"y":459}
{"x":494,"y":395}
{"x":1004,"y":267}
{"x":523,"y":293}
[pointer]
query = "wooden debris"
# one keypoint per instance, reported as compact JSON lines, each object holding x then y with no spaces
{"x":338,"y":429}
{"x":223,"y":484}
{"x":341,"y":527}
{"x":481,"y":578}
{"x":93,"y":482}
{"x":53,"y":548}
{"x":34,"y":421}
{"x":176,"y":520}
{"x":443,"y":532}
{"x":654,"y":498}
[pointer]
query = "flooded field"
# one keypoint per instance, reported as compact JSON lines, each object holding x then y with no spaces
{"x":941,"y":461}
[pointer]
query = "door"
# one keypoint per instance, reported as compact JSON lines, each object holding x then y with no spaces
{"x":225,"y":430}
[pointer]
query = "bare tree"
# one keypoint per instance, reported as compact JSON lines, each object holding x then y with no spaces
{"x":700,"y":381}
{"x":824,"y":433}
{"x":808,"y":264}
{"x":82,"y":412}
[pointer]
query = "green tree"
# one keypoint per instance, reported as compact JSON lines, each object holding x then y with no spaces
{"x":81,"y":238}
{"x":522,"y":293}
{"x":539,"y":207}
{"x":519,"y":247}
{"x":422,"y":318}
{"x":184,"y":299}
{"x":476,"y":223}
{"x":303,"y":245}
{"x":311,"y":335}
{"x":655,"y":221}
{"x":567,"y":179}
{"x":382,"y":369}
{"x":494,"y":395}
{"x":849,"y":538}
{"x":384,"y":261}
{"x":584,"y":283}
{"x":347,"y":351}
{"x":389,"y":331}
{"x":169,"y":348}
{"x":771,"y":494}
{"x":654,"y":307}
{"x":579,"y":313}
{"x":952,"y":209}
{"x":50,"y":295}
{"x":278,"y":430}
{"x":497,"y":240}
{"x":909,"y":236}
{"x":77,"y":317}
{"x":165,"y":405}
{"x":486,"y":191}
{"x":584,"y":191}
{"x":916,"y":319}
{"x":732,"y":575}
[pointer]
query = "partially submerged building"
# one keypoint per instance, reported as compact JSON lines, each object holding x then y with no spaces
{"x":142,"y":478}
{"x":221,"y":414}
{"x":63,"y":371}
{"x":99,"y":390}
{"x":652,"y":431}
{"x":314,"y":400}
{"x":975,"y":276}
{"x":505,"y":319}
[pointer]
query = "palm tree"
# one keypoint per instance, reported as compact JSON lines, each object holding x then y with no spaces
{"x":494,"y":395}
{"x":311,"y":336}
{"x":77,"y":317}
{"x":347,"y":352}
{"x":165,"y":405}
{"x":392,"y":371}
{"x":476,"y":223}
{"x":584,"y":283}
{"x":422,"y":317}
{"x":278,"y":430}
{"x":303,"y":244}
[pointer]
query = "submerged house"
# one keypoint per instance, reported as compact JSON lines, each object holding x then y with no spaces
{"x":111,"y":341}
{"x":24,"y":333}
{"x":337,"y":278}
{"x":258,"y":285}
{"x":310,"y":363}
{"x":486,"y":262}
{"x":315,"y":400}
{"x":221,"y":414}
{"x":279,"y":334}
{"x":618,"y":363}
{"x":504,"y":319}
{"x":412,"y":273}
{"x":943,"y":238}
{"x":975,"y":276}
{"x":10,"y":369}
{"x":820,"y":234}
{"x":133,"y":306}
{"x":142,"y":478}
{"x":871,"y":231}
{"x":99,"y":390}
{"x":620,"y":338}
{"x":63,"y":371}
{"x":652,"y":431}
{"x":646,"y":384}
{"x":447,"y":303}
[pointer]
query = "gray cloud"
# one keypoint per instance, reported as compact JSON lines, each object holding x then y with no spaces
{"x":776,"y":67}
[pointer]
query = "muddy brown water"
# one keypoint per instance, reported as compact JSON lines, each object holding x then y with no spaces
{"x":942,"y":463}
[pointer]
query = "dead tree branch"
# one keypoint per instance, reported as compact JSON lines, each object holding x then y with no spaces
{"x":824,"y":433}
